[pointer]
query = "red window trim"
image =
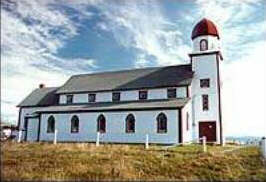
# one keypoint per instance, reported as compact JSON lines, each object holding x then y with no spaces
{"x":142,"y":91}
{"x":201,"y":48}
{"x":203,"y":81}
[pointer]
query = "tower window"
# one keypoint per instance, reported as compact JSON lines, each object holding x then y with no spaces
{"x":205,"y":83}
{"x":205,"y":102}
{"x":92,"y":97}
{"x":171,"y":93}
{"x":203,"y":45}
{"x":116,"y":96}
{"x":69,"y":99}
{"x":143,"y":95}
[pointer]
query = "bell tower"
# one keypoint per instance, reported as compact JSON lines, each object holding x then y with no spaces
{"x":205,"y":88}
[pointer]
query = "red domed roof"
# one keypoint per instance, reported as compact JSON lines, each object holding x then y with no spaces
{"x":204,"y":27}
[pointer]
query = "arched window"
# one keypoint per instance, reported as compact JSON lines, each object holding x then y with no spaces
{"x":101,"y":124}
{"x":50,"y":124}
{"x":130,"y":124}
{"x":74,"y":124}
{"x":203,"y":45}
{"x":161,"y":123}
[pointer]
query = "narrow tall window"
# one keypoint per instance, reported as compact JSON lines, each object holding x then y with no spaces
{"x":74,"y":124}
{"x":205,"y":102}
{"x":92,"y":97}
{"x":69,"y":99}
{"x":205,"y":83}
{"x":116,"y":96}
{"x":187,"y":119}
{"x":101,"y":124}
{"x":143,"y":95}
{"x":130,"y":124}
{"x":161,"y":123}
{"x":51,"y":124}
{"x":203,"y":45}
{"x":171,"y":93}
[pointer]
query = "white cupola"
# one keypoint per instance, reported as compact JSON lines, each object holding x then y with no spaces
{"x":205,"y":37}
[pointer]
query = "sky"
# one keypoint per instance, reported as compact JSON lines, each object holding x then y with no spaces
{"x":48,"y":41}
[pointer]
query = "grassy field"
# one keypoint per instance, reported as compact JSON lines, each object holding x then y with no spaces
{"x":41,"y":161}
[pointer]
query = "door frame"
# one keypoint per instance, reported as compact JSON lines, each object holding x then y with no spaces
{"x":208,"y":121}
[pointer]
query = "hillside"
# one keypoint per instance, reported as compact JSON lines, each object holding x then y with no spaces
{"x":85,"y":161}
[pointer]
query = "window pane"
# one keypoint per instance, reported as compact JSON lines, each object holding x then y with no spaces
{"x":130,"y":124}
{"x":205,"y":102}
{"x":203,"y":45}
{"x":69,"y":99}
{"x":101,"y":123}
{"x":116,"y":96}
{"x":161,"y":123}
{"x":171,"y":93}
{"x":92,"y":97}
{"x":51,"y":125}
{"x":74,"y":124}
{"x":143,"y":95}
{"x":205,"y":83}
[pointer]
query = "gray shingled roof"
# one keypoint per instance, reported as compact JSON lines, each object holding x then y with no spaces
{"x":111,"y":106}
{"x":129,"y":79}
{"x":40,"y":97}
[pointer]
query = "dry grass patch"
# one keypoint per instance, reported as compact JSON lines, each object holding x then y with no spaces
{"x":66,"y":161}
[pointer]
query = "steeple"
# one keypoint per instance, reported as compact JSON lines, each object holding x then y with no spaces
{"x":205,"y":87}
{"x":205,"y":27}
{"x":205,"y":37}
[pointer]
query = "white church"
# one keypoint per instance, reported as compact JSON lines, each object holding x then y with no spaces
{"x":171,"y":104}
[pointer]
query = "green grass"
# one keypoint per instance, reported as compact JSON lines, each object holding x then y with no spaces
{"x":43,"y":161}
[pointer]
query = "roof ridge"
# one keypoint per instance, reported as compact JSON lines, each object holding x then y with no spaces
{"x":45,"y":91}
{"x":126,"y":70}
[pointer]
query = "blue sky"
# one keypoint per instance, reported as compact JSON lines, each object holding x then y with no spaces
{"x":48,"y":41}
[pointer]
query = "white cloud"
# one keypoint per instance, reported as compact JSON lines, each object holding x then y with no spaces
{"x":28,"y":49}
{"x":143,"y":26}
{"x":141,"y":61}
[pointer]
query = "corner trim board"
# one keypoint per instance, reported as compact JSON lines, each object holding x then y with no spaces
{"x":180,"y":126}
{"x":39,"y":129}
{"x":26,"y":128}
{"x":19,"y":120}
{"x":219,"y":99}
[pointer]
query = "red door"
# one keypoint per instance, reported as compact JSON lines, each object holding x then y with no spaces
{"x":208,"y":129}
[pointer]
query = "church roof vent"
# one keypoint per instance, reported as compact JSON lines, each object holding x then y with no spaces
{"x":42,"y":85}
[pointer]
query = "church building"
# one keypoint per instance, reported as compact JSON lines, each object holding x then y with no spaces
{"x":171,"y":104}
